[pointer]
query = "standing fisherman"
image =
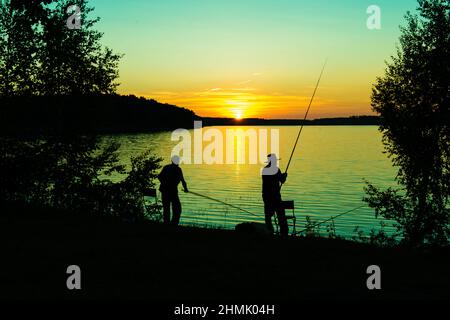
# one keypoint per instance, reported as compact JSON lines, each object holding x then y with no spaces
{"x":170,"y":176}
{"x":272,"y":179}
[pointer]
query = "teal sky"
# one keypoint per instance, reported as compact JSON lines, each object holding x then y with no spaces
{"x":251,"y":57}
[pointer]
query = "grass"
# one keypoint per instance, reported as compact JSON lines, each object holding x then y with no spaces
{"x":153,"y":261}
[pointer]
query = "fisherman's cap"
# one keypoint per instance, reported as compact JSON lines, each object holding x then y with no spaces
{"x":272,"y":157}
{"x":175,"y":159}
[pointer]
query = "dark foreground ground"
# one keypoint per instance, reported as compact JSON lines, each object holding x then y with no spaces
{"x":151,"y":261}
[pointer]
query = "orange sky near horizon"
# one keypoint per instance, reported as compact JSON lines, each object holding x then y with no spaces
{"x":253,"y":58}
{"x":252,"y":98}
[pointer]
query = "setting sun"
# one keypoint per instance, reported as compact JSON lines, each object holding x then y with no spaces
{"x":237,"y":114}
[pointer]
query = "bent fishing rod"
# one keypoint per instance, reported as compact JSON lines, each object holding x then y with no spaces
{"x":306,"y":115}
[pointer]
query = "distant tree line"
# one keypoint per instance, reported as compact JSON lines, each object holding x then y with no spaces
{"x":89,"y":114}
{"x":353,"y":120}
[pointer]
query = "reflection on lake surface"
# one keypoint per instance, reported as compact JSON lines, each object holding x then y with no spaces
{"x":325,"y":176}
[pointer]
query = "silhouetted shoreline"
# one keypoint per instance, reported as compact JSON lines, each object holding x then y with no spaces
{"x":341,"y":121}
{"x":139,"y":261}
{"x":109,"y":114}
{"x":90,"y":114}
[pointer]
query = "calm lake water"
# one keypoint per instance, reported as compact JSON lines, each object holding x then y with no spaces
{"x":325,"y":176}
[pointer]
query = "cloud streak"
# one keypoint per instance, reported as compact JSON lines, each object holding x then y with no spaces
{"x":252,"y":103}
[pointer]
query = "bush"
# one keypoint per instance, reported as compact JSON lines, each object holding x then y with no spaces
{"x":72,"y":174}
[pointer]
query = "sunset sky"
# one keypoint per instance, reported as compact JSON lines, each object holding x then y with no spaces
{"x":252,"y":58}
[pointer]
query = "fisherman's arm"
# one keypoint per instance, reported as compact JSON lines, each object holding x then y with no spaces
{"x":183,"y":182}
{"x":282,"y":176}
{"x":162,"y":174}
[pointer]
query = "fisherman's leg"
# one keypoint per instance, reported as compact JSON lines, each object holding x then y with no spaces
{"x":166,"y":207}
{"x":176,"y":210}
{"x":268,"y":213}
{"x":282,"y":221}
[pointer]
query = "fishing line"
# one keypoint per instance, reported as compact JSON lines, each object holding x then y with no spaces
{"x":341,"y":214}
{"x":246,"y":211}
{"x":222,"y":202}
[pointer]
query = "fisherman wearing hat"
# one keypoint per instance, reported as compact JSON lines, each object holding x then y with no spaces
{"x":171,"y":175}
{"x":272,"y":179}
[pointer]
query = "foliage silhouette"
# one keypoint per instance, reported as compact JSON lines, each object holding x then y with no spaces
{"x":92,"y":114}
{"x":41,"y":56}
{"x":56,"y":86}
{"x":413,"y":100}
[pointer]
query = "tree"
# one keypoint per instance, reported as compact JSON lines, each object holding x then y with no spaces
{"x":39,"y":55}
{"x":73,"y":61}
{"x":413,"y":100}
{"x":66,"y":169}
{"x":19,"y":43}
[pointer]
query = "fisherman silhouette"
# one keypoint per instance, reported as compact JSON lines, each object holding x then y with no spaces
{"x":272,"y":178}
{"x":170,"y":176}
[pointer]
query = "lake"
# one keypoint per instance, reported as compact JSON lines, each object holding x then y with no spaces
{"x":325,"y":178}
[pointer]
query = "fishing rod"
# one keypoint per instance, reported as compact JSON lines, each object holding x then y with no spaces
{"x":332,"y":218}
{"x":306,"y":115}
{"x":222,"y":202}
{"x":290,"y":158}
